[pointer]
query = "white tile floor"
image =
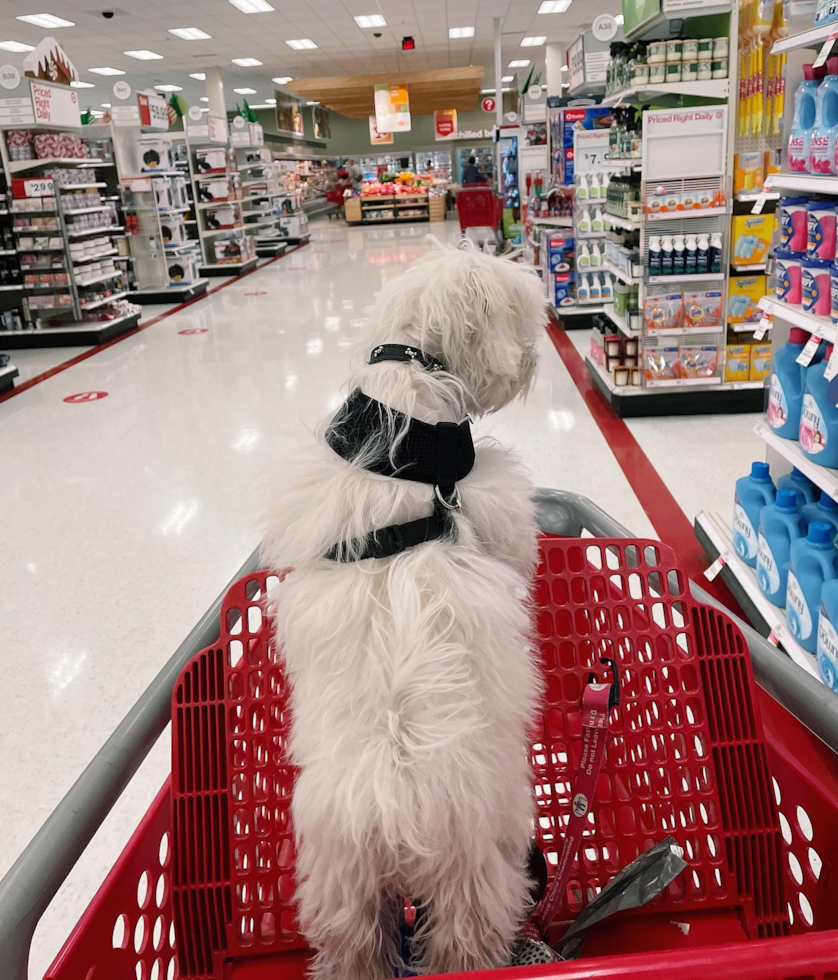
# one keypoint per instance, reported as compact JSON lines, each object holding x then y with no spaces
{"x":123,"y":518}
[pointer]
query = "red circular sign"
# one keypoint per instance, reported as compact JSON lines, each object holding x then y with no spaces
{"x":192,"y":330}
{"x":488,"y":104}
{"x":86,"y":396}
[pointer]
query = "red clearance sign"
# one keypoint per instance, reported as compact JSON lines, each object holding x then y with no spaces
{"x":445,"y":124}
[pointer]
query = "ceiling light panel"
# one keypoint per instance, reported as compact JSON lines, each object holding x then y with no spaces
{"x":508,"y":78}
{"x":252,"y":6}
{"x":371,"y":20}
{"x":245,"y":91}
{"x":107,"y":71}
{"x":204,"y":98}
{"x":554,"y":6}
{"x":518,"y":64}
{"x":82,"y":85}
{"x":190,"y":33}
{"x":49,"y":21}
{"x":533,"y":42}
{"x":168,"y":88}
{"x":144,"y":55}
{"x":247,"y":62}
{"x":459,"y":32}
{"x":564,"y":68}
{"x":620,"y":19}
{"x":282,"y":79}
{"x":302,"y":44}
{"x":201,"y":76}
{"x":16,"y":46}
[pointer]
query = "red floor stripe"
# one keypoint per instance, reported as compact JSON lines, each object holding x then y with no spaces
{"x":46,"y":375}
{"x":669,"y":521}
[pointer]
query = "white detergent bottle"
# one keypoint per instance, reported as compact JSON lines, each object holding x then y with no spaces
{"x":583,"y":258}
{"x":597,"y":221}
{"x":584,"y":223}
{"x":583,"y":192}
{"x":595,"y":291}
{"x":603,"y":186}
{"x":594,"y":188}
{"x":596,"y":256}
{"x":583,"y":290}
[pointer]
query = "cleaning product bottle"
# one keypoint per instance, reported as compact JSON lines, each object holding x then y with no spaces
{"x":785,"y":389}
{"x":583,"y":258}
{"x":596,"y":256}
{"x":822,"y":139}
{"x":715,"y":255}
{"x":805,"y":112}
{"x":594,"y":188}
{"x":666,"y":255}
{"x":678,"y":255}
{"x":752,"y":493}
{"x":583,"y":191}
{"x":597,"y":221}
{"x":603,"y":186}
{"x":654,"y":255}
{"x":780,"y":524}
{"x":819,"y":417}
{"x":824,"y":510}
{"x":814,"y":561}
{"x":807,"y":492}
{"x":583,"y":225}
{"x":595,"y":290}
{"x":690,"y":255}
{"x":583,"y":290}
{"x":607,"y":288}
{"x":702,"y":255}
{"x":827,"y":649}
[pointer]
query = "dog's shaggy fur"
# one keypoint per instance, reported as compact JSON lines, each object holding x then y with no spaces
{"x":413,"y":681}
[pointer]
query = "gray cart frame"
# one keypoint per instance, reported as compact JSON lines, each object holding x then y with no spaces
{"x":30,"y":885}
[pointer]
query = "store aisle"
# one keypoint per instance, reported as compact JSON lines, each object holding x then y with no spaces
{"x":125,"y":515}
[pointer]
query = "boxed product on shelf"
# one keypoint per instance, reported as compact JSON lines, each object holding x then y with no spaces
{"x":566,"y":123}
{"x":295,"y":226}
{"x":224,"y":216}
{"x":738,"y":362}
{"x":211,"y":160}
{"x":155,"y":154}
{"x":751,"y":238}
{"x":214,"y":189}
{"x":65,"y":146}
{"x":231,"y":250}
{"x":698,"y":362}
{"x":182,"y":268}
{"x":748,"y":171}
{"x":744,"y":294}
{"x":703,"y":309}
{"x":560,"y":288}
{"x":663,"y":310}
{"x":287,"y":203}
{"x":760,"y":362}
{"x":557,"y":250}
{"x":173,"y":230}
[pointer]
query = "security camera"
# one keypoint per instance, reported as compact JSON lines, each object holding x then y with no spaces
{"x":107,"y":14}
{"x":377,"y":34}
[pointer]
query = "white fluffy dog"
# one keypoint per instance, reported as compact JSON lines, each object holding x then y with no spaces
{"x":413,"y":680}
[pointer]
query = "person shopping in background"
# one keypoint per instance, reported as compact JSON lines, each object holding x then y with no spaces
{"x":355,"y":174}
{"x":472,"y":173}
{"x":343,"y":183}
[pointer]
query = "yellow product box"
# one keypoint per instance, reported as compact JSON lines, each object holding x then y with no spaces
{"x":744,"y":293}
{"x":750,"y":239}
{"x":737,"y":362}
{"x":748,"y":172}
{"x":760,"y":361}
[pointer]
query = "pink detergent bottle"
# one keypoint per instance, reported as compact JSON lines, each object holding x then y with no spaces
{"x":805,"y":110}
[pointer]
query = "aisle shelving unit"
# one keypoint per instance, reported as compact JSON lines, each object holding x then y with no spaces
{"x":712,"y":89}
{"x":7,"y":378}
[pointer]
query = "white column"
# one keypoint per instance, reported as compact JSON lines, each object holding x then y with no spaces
{"x":215,"y":91}
{"x":498,"y":74}
{"x":555,"y":58}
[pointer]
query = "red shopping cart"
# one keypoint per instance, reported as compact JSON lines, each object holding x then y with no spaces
{"x":478,"y":207}
{"x":755,"y":813}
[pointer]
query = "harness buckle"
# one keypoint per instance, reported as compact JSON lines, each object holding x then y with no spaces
{"x":454,"y":504}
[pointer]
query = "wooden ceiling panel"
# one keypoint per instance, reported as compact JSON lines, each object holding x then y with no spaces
{"x":352,"y":95}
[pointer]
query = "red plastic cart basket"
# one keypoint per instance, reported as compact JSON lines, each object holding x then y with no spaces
{"x":477,"y":207}
{"x":697,"y":930}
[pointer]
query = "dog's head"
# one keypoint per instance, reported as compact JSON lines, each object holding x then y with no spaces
{"x":480,"y":315}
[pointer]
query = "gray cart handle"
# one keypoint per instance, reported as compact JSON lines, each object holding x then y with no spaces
{"x":32,"y":882}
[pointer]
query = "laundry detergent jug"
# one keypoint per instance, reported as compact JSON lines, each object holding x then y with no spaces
{"x":780,"y":524}
{"x":819,"y":417}
{"x":805,"y":112}
{"x":814,"y":561}
{"x":807,"y":492}
{"x":824,"y":510}
{"x":752,"y":493}
{"x":785,"y":390}
{"x":822,"y":141}
{"x":827,"y":651}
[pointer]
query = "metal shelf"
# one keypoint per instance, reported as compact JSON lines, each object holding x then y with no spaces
{"x":94,"y":231}
{"x":626,"y":223}
{"x":557,"y":221}
{"x":822,"y":477}
{"x":78,"y":187}
{"x":103,"y":302}
{"x":73,"y":335}
{"x":100,"y":207}
{"x":92,"y":282}
{"x":812,"y":38}
{"x":18,"y":166}
{"x":813,"y":183}
{"x":715,"y":88}
{"x":92,"y":258}
{"x":820,"y":325}
{"x":720,"y":537}
{"x":618,"y":273}
{"x":693,"y":213}
{"x":692,"y":277}
{"x":619,"y":321}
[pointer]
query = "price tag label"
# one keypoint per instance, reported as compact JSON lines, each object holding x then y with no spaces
{"x":832,"y":366}
{"x":759,"y":203}
{"x":34,"y":187}
{"x":826,"y":47}
{"x":590,"y":149}
{"x":805,"y":356}
{"x":773,"y":637}
{"x":763,"y":326}
{"x":716,"y":567}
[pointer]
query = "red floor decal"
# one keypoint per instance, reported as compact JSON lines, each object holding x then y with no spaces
{"x":669,"y":521}
{"x":46,"y":375}
{"x":86,"y":396}
{"x":193,"y":330}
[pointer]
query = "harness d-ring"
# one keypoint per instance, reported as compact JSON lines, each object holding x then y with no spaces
{"x":456,"y":502}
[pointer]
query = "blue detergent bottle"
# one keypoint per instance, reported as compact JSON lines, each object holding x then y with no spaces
{"x":780,"y":524}
{"x":785,"y":390}
{"x":753,"y":492}
{"x":824,"y":510}
{"x":828,"y":636}
{"x":805,"y":111}
{"x":807,"y":492}
{"x":814,"y":561}
{"x":822,"y":141}
{"x":819,"y":417}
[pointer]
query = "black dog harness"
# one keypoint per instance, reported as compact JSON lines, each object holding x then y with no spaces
{"x":439,"y":455}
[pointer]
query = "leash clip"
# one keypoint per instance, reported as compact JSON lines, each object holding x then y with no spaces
{"x":614,"y":695}
{"x":455,"y":502}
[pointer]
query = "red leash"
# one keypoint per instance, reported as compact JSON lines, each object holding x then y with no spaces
{"x":597,"y":701}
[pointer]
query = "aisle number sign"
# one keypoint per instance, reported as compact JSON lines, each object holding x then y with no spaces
{"x":392,"y":109}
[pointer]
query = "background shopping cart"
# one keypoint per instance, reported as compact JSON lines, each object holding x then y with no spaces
{"x":127,"y":930}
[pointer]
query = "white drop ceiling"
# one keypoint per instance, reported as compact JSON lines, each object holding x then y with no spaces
{"x":343,"y":48}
